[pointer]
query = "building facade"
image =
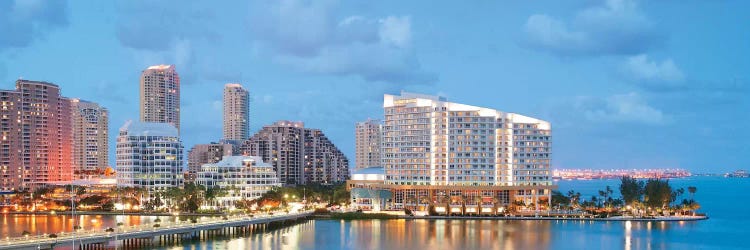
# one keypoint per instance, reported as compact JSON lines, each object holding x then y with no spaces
{"x":244,"y":178}
{"x":160,"y":95}
{"x":438,"y":152}
{"x":37,"y":137}
{"x":368,"y":136}
{"x":202,"y":154}
{"x":91,"y":139}
{"x":236,"y":113}
{"x":299,"y":155}
{"x":149,"y":155}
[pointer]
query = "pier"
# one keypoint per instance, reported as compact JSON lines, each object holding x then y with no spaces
{"x":152,"y":235}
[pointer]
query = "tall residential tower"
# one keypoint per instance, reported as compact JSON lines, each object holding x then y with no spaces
{"x":367,"y":143}
{"x":91,"y":140}
{"x":236,"y":113}
{"x":160,"y":95}
{"x":299,"y":155}
{"x":37,"y":137}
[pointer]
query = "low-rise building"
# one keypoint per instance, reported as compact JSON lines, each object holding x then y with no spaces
{"x":243,"y":177}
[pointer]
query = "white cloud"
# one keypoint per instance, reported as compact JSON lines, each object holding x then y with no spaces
{"x":617,"y":27}
{"x":629,"y":108}
{"x":307,"y":36}
{"x":395,"y":31}
{"x":653,"y":74}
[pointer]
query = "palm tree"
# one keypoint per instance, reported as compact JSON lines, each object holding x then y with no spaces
{"x":410,"y":200}
{"x":495,"y":203}
{"x":478,"y":200}
{"x":445,"y":200}
{"x":692,"y":190}
{"x":425,"y":201}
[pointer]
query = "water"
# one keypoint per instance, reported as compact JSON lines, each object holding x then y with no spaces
{"x":725,"y":201}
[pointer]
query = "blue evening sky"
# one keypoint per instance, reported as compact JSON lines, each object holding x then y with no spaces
{"x":626,"y":84}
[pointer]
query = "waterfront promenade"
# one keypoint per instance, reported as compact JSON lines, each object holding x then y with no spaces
{"x":150,"y":234}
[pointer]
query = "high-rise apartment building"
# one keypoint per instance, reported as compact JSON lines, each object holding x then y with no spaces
{"x":160,"y":95}
{"x":367,"y":143}
{"x":90,"y":139}
{"x":202,"y":154}
{"x":36,"y":145}
{"x":236,"y":113}
{"x":149,"y":155}
{"x":471,"y":155}
{"x":299,"y":155}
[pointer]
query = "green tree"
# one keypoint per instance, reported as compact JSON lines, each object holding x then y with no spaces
{"x":631,"y":190}
{"x":657,"y":193}
{"x":559,"y":199}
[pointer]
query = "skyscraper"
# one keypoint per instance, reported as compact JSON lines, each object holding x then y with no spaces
{"x":160,"y":95}
{"x":367,"y":143}
{"x":36,"y":145}
{"x":299,"y":155}
{"x":90,"y":138}
{"x":149,"y":155}
{"x":236,"y":113}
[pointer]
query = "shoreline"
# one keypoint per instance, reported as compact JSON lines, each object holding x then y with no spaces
{"x":328,"y":217}
{"x":519,"y":218}
{"x":617,"y":218}
{"x":113,"y":213}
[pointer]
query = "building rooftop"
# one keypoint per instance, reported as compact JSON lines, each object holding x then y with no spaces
{"x":234,"y":161}
{"x":233,"y":85}
{"x":36,"y":82}
{"x":161,"y":67}
{"x":149,"y":129}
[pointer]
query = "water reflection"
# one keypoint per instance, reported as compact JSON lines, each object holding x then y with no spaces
{"x":14,"y":225}
{"x":408,"y":234}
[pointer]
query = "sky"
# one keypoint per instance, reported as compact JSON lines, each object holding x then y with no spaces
{"x":625,"y":84}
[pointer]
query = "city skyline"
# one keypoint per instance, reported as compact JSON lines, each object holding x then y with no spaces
{"x":645,"y":95}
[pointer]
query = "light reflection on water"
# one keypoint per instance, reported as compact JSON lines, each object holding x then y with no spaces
{"x":727,"y":228}
{"x":407,"y":234}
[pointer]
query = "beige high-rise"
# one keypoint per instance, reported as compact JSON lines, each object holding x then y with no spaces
{"x":90,"y":136}
{"x":367,"y":143}
{"x":236,"y":113}
{"x":160,"y":95}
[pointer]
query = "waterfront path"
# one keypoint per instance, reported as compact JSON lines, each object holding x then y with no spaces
{"x":149,"y":234}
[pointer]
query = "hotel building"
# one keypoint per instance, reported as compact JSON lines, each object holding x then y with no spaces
{"x":91,"y":140}
{"x":244,"y":177}
{"x":236,"y":113}
{"x":458,"y":158}
{"x":368,"y":136}
{"x":35,"y":136}
{"x":160,"y":95}
{"x":202,"y":154}
{"x":149,"y":155}
{"x":299,"y":155}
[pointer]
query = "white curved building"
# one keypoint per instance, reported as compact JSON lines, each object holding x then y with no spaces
{"x":149,"y":155}
{"x":244,"y":177}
